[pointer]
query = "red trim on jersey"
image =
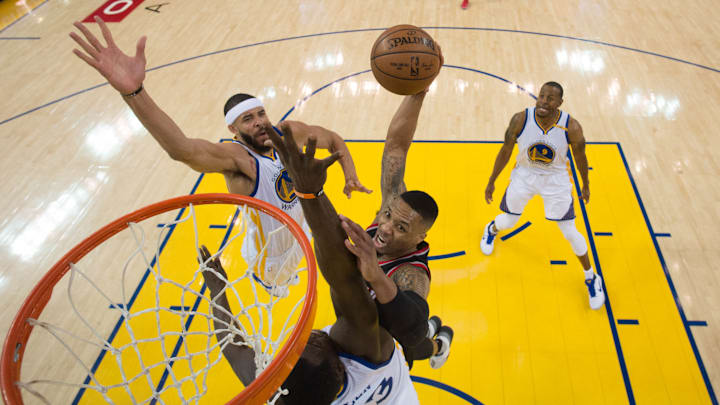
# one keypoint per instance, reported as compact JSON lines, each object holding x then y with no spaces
{"x":415,"y":253}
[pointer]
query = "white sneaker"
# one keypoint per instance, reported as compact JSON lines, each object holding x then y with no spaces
{"x":434,"y":324}
{"x":596,"y":291}
{"x":445,"y":336}
{"x":488,"y":239}
{"x":277,"y":290}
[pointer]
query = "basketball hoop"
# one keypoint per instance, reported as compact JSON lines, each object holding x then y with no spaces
{"x":270,"y":376}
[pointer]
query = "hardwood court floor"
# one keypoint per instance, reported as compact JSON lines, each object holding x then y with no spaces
{"x":641,"y":75}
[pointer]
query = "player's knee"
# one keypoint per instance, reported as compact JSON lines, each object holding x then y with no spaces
{"x":506,"y":221}
{"x":577,"y":241}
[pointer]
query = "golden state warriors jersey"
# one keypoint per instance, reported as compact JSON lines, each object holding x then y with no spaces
{"x":272,"y":185}
{"x":387,"y":383}
{"x":543,"y":151}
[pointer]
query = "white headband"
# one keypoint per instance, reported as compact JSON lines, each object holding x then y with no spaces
{"x":241,"y":108}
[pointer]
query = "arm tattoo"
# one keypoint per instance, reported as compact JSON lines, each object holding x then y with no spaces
{"x":392,"y":178}
{"x":411,"y":278}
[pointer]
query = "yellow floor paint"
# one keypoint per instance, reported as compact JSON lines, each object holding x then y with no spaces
{"x":524,"y":333}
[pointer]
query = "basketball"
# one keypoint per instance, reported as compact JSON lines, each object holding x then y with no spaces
{"x":405,"y":59}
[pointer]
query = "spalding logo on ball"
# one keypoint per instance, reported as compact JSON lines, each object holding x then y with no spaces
{"x":405,"y":59}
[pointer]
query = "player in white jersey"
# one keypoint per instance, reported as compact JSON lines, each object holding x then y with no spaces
{"x":354,"y":361}
{"x":243,"y":163}
{"x":542,"y":134}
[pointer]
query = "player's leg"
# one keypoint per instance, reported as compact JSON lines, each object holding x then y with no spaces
{"x":559,"y":207}
{"x":512,"y":204}
{"x":435,"y":346}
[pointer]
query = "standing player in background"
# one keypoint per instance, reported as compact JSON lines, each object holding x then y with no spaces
{"x":249,"y":166}
{"x":543,"y":134}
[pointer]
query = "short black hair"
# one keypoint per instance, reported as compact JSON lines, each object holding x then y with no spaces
{"x":235,"y":100}
{"x":423,"y":204}
{"x":318,"y":375}
{"x":556,"y":85}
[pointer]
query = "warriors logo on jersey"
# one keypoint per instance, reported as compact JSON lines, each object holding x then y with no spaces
{"x":284,"y":187}
{"x":541,"y":153}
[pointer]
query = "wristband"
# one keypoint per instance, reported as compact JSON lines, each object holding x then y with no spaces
{"x":309,"y":196}
{"x":134,"y":93}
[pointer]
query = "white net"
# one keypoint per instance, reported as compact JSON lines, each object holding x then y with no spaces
{"x":141,"y":330}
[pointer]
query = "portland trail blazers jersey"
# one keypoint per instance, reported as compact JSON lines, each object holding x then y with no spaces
{"x":543,"y":151}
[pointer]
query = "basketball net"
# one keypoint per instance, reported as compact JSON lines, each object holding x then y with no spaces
{"x":145,"y":351}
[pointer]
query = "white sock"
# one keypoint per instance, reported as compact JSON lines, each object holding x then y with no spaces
{"x":589,"y":273}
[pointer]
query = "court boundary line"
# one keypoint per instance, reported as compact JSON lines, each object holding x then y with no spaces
{"x":598,"y":268}
{"x":591,"y":41}
{"x":668,"y":278}
{"x":133,"y":297}
{"x":437,"y":384}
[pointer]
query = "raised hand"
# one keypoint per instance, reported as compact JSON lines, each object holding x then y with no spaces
{"x":307,"y":173}
{"x":213,"y":272}
{"x":363,"y":248}
{"x":124,"y":73}
{"x":354,"y":185}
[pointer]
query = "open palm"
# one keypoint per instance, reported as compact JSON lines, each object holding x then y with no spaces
{"x":123,"y":72}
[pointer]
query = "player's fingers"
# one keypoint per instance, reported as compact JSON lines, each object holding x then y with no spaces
{"x":358,"y":233}
{"x":277,"y":141}
{"x":204,"y":253}
{"x":89,"y":35}
{"x":310,"y":147}
{"x":86,"y":58}
{"x":352,"y":248}
{"x":89,"y":49}
{"x":289,"y":138}
{"x":140,"y":48}
{"x":328,"y":161}
{"x":105,"y":31}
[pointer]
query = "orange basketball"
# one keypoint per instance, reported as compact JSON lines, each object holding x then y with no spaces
{"x":405,"y":59}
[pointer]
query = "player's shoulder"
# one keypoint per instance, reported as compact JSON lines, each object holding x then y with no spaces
{"x":517,"y":122}
{"x":520,"y":115}
{"x":573,"y":124}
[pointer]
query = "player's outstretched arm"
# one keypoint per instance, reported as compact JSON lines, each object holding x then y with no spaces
{"x":577,"y":143}
{"x":240,"y":357}
{"x":327,"y":139}
{"x":126,"y":75}
{"x":357,"y":330}
{"x":397,"y":144}
{"x":511,"y":133}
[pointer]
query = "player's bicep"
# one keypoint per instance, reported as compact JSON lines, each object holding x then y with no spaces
{"x":517,"y":122}
{"x":412,"y":278}
{"x":209,"y":157}
{"x":576,"y":138}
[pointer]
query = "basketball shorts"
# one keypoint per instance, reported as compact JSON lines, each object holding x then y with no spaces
{"x":555,"y":190}
{"x":275,"y":264}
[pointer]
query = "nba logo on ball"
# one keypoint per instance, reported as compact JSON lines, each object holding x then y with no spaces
{"x":405,"y":59}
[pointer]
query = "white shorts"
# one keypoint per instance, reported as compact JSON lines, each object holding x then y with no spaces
{"x":278,"y":263}
{"x":555,"y":190}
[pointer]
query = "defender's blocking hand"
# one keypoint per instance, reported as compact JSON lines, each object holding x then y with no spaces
{"x":307,"y":173}
{"x":124,"y":73}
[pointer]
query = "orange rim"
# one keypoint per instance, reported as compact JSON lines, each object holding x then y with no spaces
{"x":256,"y":393}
